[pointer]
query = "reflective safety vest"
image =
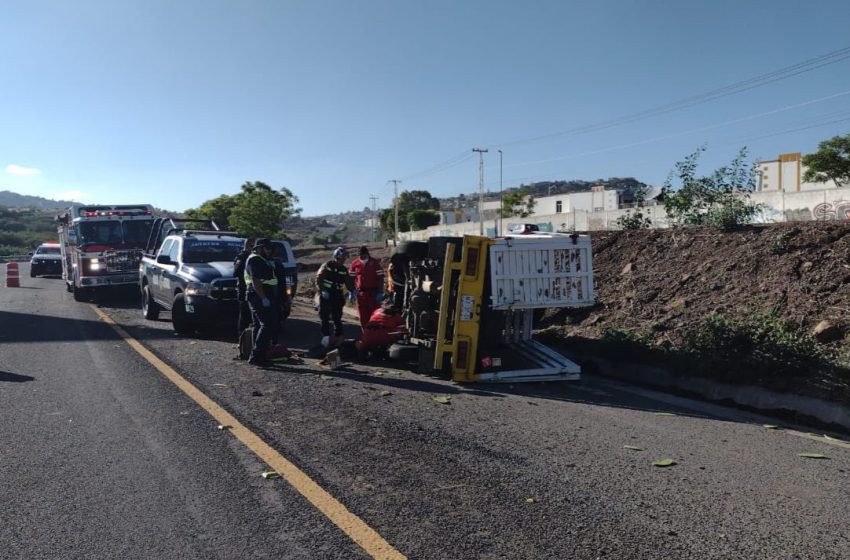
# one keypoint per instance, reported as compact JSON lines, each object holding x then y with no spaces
{"x":332,"y":276}
{"x":266,"y":282}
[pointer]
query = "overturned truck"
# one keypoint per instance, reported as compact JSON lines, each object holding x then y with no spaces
{"x":469,"y":303}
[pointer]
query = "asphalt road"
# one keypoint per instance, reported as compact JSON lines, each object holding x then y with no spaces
{"x":102,"y":457}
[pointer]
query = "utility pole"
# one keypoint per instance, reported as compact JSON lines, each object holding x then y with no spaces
{"x":395,"y":183}
{"x":374,"y":200}
{"x":501,"y":198}
{"x":480,"y":189}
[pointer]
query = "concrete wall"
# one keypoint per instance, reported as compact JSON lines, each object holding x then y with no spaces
{"x":779,"y":206}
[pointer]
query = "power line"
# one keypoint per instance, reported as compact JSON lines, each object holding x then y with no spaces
{"x":685,"y":132}
{"x":809,"y":65}
{"x":731,"y":89}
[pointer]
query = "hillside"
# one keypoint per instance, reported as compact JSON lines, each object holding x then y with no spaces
{"x":749,"y":306}
{"x":10,"y":199}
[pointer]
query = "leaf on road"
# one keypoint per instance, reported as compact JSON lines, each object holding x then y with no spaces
{"x":664,"y":463}
{"x":633,"y":448}
{"x":812,"y":456}
{"x":442,"y":400}
{"x":271,"y":474}
{"x":219,"y":385}
{"x":325,"y":377}
{"x":225,"y":427}
{"x":664,"y":414}
{"x":530,"y":500}
{"x":385,"y":393}
{"x":772,"y":426}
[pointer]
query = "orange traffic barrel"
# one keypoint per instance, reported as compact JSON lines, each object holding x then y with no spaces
{"x":13,"y":280}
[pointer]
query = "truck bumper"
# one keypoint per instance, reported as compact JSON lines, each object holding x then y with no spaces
{"x":112,"y":280}
{"x":203,"y":309}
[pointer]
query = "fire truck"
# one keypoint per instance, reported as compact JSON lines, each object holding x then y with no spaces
{"x":101,"y":245}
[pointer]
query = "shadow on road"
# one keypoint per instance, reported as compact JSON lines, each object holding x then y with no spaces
{"x":14,"y":377}
{"x":26,"y":327}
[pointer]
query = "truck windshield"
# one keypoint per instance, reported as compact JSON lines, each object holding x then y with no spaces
{"x":136,"y":231}
{"x":110,"y":232}
{"x":200,"y":251}
{"x":47,"y":251}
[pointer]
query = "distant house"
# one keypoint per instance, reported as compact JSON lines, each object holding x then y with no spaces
{"x":785,"y":174}
{"x":325,"y":229}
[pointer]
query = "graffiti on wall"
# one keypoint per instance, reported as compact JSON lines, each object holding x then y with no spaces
{"x":839,"y":210}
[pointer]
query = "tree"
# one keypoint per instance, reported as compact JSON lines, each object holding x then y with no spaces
{"x":257,"y":211}
{"x":519,"y":203}
{"x":217,"y":209}
{"x":830,"y":162}
{"x":421,"y":219}
{"x":408,"y":201}
{"x":720,"y":199}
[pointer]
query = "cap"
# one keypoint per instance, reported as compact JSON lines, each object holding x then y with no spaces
{"x":364,"y":250}
{"x":263,"y":242}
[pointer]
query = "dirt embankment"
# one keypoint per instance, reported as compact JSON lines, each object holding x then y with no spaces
{"x":784,"y":287}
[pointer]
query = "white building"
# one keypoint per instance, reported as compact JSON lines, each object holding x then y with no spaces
{"x":785,"y":174}
{"x":596,"y":200}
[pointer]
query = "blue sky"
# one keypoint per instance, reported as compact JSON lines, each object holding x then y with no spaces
{"x":175,"y":102}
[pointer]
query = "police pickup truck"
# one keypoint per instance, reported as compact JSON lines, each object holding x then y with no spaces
{"x":190,"y":273}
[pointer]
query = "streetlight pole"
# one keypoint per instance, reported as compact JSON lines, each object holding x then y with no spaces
{"x":395,"y":183}
{"x":501,"y":200}
{"x":480,"y":189}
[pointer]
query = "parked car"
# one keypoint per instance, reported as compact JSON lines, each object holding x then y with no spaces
{"x":191,"y":275}
{"x":284,"y":255}
{"x":46,"y":260}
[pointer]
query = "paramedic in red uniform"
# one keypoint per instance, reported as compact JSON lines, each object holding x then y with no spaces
{"x":369,"y":282}
{"x":385,"y":326}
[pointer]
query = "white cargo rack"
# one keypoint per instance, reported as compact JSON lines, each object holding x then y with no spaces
{"x":540,"y":271}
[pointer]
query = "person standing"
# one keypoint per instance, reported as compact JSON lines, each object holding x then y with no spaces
{"x":330,"y":281}
{"x":244,"y":318}
{"x":368,"y":278}
{"x":263,"y":299}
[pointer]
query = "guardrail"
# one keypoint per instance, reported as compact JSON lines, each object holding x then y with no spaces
{"x":14,"y":258}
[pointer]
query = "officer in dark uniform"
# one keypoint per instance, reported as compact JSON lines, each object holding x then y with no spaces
{"x":263,"y":299}
{"x":241,"y":287}
{"x":331,"y":280}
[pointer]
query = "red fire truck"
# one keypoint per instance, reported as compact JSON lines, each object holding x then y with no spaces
{"x":101,"y":245}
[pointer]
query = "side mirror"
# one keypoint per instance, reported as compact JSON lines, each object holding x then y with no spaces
{"x":163,"y":259}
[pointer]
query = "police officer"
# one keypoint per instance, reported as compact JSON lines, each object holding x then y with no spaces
{"x":242,"y":287}
{"x":263,"y":299}
{"x":330,"y":281}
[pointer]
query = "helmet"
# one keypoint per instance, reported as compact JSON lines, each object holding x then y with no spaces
{"x":340,"y":252}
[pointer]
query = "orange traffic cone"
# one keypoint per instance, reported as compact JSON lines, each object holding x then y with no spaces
{"x":13,"y":280}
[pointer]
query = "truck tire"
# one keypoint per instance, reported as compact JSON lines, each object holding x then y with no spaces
{"x":412,"y":250}
{"x":80,"y":294}
{"x":404,"y":352}
{"x":179,"y":318}
{"x":150,"y":308}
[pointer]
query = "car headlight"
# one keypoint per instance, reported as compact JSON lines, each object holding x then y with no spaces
{"x":197,"y":289}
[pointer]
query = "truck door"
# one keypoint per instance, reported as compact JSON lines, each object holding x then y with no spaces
{"x":155,"y":272}
{"x":169,"y":272}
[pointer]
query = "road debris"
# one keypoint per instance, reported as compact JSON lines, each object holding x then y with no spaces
{"x":271,"y":474}
{"x":664,"y":463}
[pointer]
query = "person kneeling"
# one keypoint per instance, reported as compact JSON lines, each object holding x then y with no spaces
{"x":385,"y":326}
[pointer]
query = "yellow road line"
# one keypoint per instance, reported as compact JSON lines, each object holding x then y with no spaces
{"x":356,"y":529}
